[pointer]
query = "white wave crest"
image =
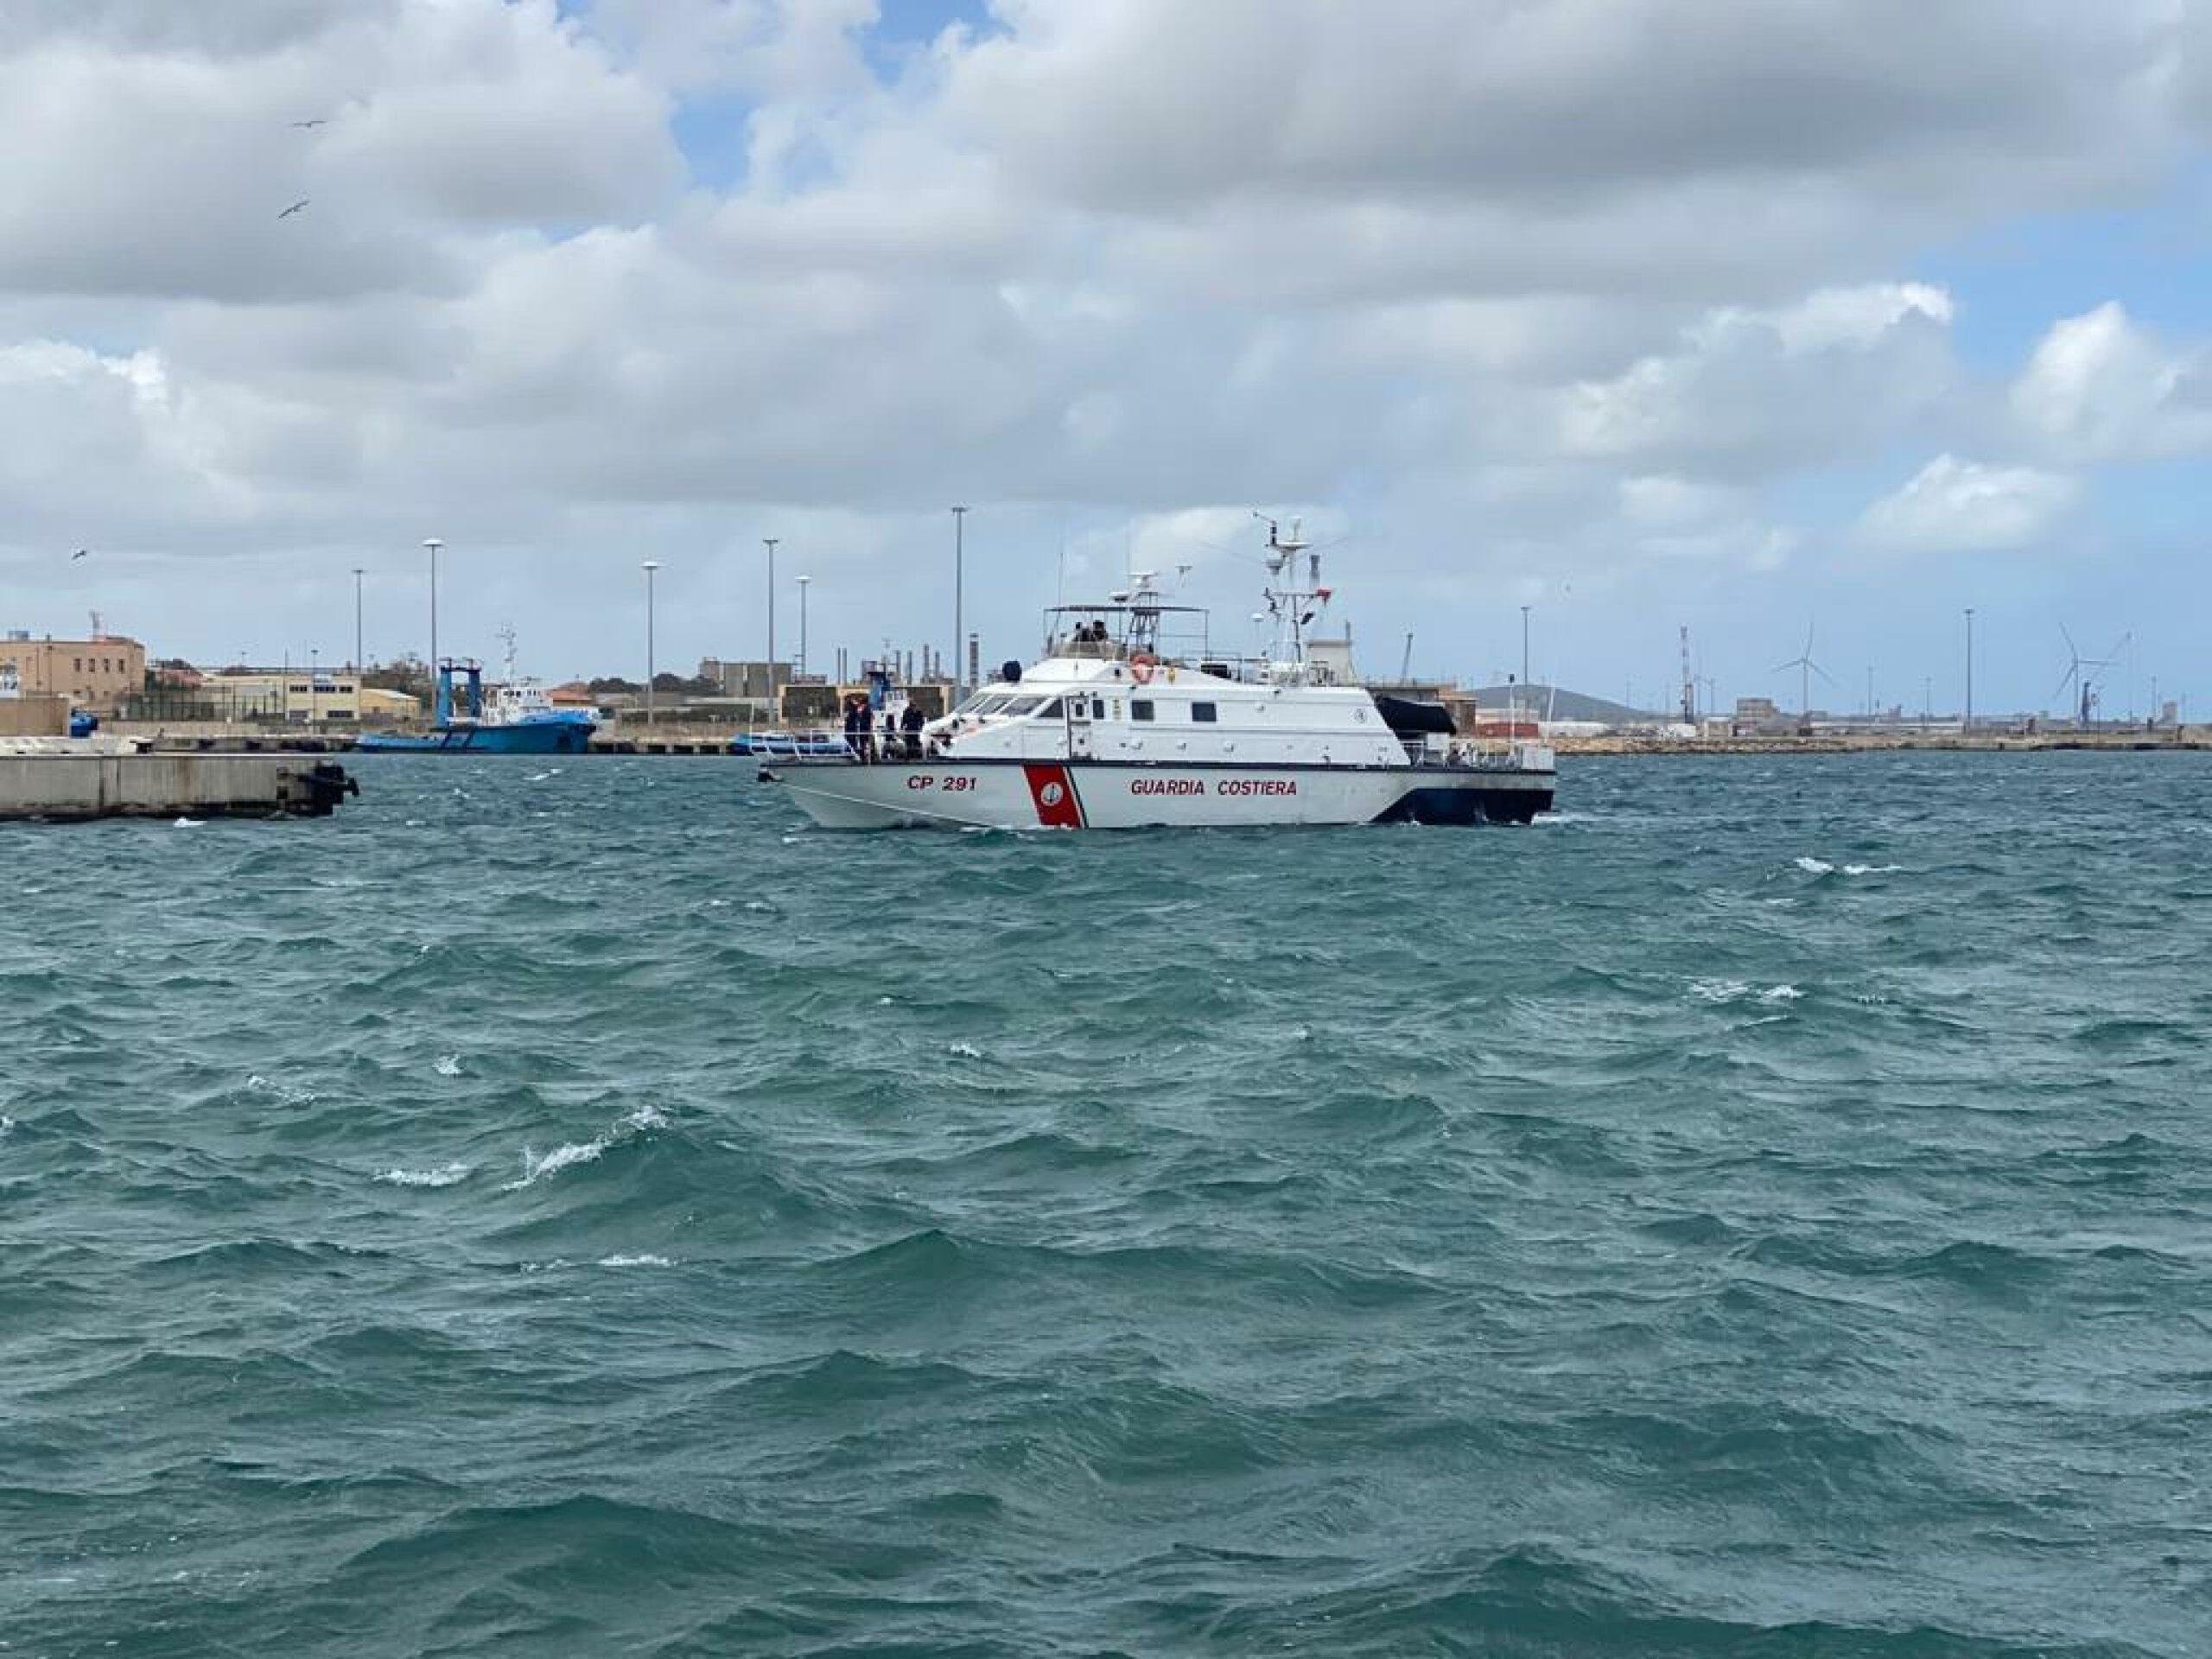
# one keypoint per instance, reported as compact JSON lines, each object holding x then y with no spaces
{"x":188,"y":823}
{"x":288,"y":1094}
{"x":449,"y":1066}
{"x":964,"y":1050}
{"x":1822,"y":866}
{"x":536,"y":1168}
{"x":444,"y":1175}
{"x":1735,"y":990}
{"x":646,"y":1261}
{"x":642,"y":1120}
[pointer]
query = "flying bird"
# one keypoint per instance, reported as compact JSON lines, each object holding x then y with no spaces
{"x":78,"y":554}
{"x":293,"y":208}
{"x":319,"y":121}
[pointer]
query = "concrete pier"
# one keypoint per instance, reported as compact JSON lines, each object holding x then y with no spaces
{"x":58,"y":779}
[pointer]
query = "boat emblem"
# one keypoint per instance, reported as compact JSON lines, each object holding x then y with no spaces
{"x":1052,"y":795}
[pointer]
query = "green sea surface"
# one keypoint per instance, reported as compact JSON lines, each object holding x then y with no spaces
{"x":573,"y":1207}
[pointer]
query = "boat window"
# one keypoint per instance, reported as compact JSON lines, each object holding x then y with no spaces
{"x":1202,"y":711}
{"x":1017,"y":707}
{"x":1140,"y":710}
{"x":991,"y":705}
{"x":1051,"y":710}
{"x":1098,"y":707}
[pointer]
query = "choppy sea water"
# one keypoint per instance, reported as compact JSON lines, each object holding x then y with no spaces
{"x":571,"y":1207}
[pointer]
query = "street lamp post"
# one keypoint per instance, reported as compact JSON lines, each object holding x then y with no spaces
{"x":315,"y":684}
{"x":649,"y":567}
{"x":959,"y":623}
{"x":359,"y":664}
{"x":769,"y":542}
{"x":1524,"y":648}
{"x":433,"y":543}
{"x":1966,"y":725}
{"x":803,"y":580}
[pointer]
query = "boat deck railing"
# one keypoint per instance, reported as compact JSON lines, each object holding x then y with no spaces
{"x":827,"y":745}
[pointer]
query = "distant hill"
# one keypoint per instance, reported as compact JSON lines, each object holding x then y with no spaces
{"x":1565,"y":705}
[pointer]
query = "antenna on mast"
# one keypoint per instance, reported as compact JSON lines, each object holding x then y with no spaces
{"x":1292,"y":609}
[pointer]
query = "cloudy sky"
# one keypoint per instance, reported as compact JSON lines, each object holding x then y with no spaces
{"x":1642,"y":313}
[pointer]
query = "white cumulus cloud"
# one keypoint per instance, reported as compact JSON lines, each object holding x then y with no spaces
{"x":1955,"y":507}
{"x":2100,"y":387}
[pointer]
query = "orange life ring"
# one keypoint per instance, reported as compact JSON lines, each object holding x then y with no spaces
{"x":1140,"y":667}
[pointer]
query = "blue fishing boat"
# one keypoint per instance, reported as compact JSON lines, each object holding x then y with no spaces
{"x":520,"y":720}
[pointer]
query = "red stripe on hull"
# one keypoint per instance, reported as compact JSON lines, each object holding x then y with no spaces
{"x":1053,"y":791}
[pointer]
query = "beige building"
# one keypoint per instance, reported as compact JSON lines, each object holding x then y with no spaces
{"x":298,"y":697}
{"x":95,"y":675}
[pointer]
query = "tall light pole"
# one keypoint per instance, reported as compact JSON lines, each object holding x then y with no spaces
{"x":1966,"y":724}
{"x":959,"y":624}
{"x":1524,"y":648}
{"x":315,"y":679}
{"x":649,"y":567}
{"x":359,"y":664}
{"x":433,"y":543}
{"x":803,"y":580}
{"x":769,"y":542}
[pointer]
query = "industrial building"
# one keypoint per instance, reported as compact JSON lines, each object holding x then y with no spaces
{"x":95,"y":675}
{"x":295,"y":696}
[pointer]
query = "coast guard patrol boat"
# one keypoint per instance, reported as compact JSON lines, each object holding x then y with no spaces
{"x":1113,"y":730}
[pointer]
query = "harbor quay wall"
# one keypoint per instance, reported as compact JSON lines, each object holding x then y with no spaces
{"x":676,"y":737}
{"x":104,"y":785}
{"x":2181,"y":738}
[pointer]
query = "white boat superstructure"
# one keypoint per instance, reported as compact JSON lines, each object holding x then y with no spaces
{"x":518,"y":700}
{"x":1117,"y":727}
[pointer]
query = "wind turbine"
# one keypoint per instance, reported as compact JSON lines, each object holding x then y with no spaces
{"x":1806,"y":668}
{"x":2091,"y":683}
{"x":2074,"y":677}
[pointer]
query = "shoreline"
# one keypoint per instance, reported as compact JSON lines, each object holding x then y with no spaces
{"x":714,"y":739}
{"x":2185,"y":739}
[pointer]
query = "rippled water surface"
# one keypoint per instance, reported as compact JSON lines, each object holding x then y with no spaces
{"x":1762,"y":1210}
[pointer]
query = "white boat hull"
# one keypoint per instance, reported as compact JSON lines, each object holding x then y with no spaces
{"x":1103,"y":795}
